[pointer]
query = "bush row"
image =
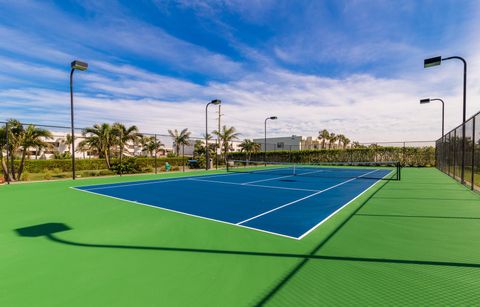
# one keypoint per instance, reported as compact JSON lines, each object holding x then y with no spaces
{"x":407,"y":156}
{"x":39,"y":166}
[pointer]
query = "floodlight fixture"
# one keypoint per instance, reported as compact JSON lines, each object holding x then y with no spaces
{"x":79,"y":65}
{"x":435,"y":61}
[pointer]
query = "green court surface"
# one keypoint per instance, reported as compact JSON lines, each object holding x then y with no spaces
{"x":410,"y":242}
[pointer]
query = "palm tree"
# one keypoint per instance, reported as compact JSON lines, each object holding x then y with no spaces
{"x":344,"y":140}
{"x":332,"y":138}
{"x":323,"y":136}
{"x":249,"y":147}
{"x":83,"y":147}
{"x":15,"y":132}
{"x":226,"y":135}
{"x":3,"y":146}
{"x":102,"y":138}
{"x":181,"y":138}
{"x":123,"y":135}
{"x":150,"y":145}
{"x":31,"y":137}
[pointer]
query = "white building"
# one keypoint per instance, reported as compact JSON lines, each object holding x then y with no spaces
{"x":294,"y":142}
{"x":58,"y":145}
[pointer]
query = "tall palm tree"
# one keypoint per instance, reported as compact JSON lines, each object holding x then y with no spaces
{"x":32,"y":136}
{"x":3,"y":146}
{"x":181,"y":138}
{"x":226,"y":135}
{"x":344,"y":140}
{"x":323,"y":136}
{"x":102,"y":138}
{"x":332,"y":138}
{"x":15,"y":132}
{"x":123,"y":135}
{"x":249,"y":147}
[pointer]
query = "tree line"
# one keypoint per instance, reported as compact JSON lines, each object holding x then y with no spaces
{"x":104,"y":140}
{"x":107,"y":141}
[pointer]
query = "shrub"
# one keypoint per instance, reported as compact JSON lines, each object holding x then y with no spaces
{"x":105,"y":172}
{"x":127,"y":166}
{"x":147,"y":169}
{"x":25,"y":176}
{"x":408,"y":156}
{"x":56,"y":170}
{"x":40,"y":166}
{"x":47,"y":175}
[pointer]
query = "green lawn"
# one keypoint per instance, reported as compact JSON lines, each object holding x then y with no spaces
{"x":414,"y":242}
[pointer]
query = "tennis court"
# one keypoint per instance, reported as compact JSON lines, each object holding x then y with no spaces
{"x":414,"y":241}
{"x":284,"y":199}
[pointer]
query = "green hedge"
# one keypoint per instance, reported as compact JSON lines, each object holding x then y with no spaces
{"x":408,"y":156}
{"x":39,"y":166}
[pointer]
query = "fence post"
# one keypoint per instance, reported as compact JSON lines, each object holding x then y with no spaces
{"x":7,"y":147}
{"x":156,"y":152}
{"x":454,"y":152}
{"x":473,"y":153}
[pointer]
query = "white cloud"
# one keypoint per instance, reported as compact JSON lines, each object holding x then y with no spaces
{"x":364,"y":108}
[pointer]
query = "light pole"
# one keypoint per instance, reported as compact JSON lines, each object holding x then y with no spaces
{"x":214,"y":102}
{"x":218,"y":139}
{"x":7,"y":147}
{"x":265,"y":138}
{"x":437,"y":61}
{"x":75,"y":65}
{"x":428,"y":100}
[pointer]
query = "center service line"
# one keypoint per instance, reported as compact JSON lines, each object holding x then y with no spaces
{"x":303,"y":198}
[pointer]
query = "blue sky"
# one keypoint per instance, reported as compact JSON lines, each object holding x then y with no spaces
{"x":353,"y":67}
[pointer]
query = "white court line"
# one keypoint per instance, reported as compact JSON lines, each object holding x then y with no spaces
{"x":303,"y":198}
{"x":335,"y":212}
{"x":224,"y":222}
{"x":155,"y":181}
{"x":275,"y":178}
{"x":187,"y":214}
{"x":254,"y":185}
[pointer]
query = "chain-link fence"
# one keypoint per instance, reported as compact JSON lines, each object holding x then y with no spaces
{"x":459,"y":156}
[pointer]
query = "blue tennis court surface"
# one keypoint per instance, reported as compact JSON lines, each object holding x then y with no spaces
{"x":287,"y":205}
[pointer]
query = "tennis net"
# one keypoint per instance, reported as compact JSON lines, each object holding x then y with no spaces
{"x":366,"y":170}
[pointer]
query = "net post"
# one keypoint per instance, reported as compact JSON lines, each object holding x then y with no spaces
{"x":399,"y":171}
